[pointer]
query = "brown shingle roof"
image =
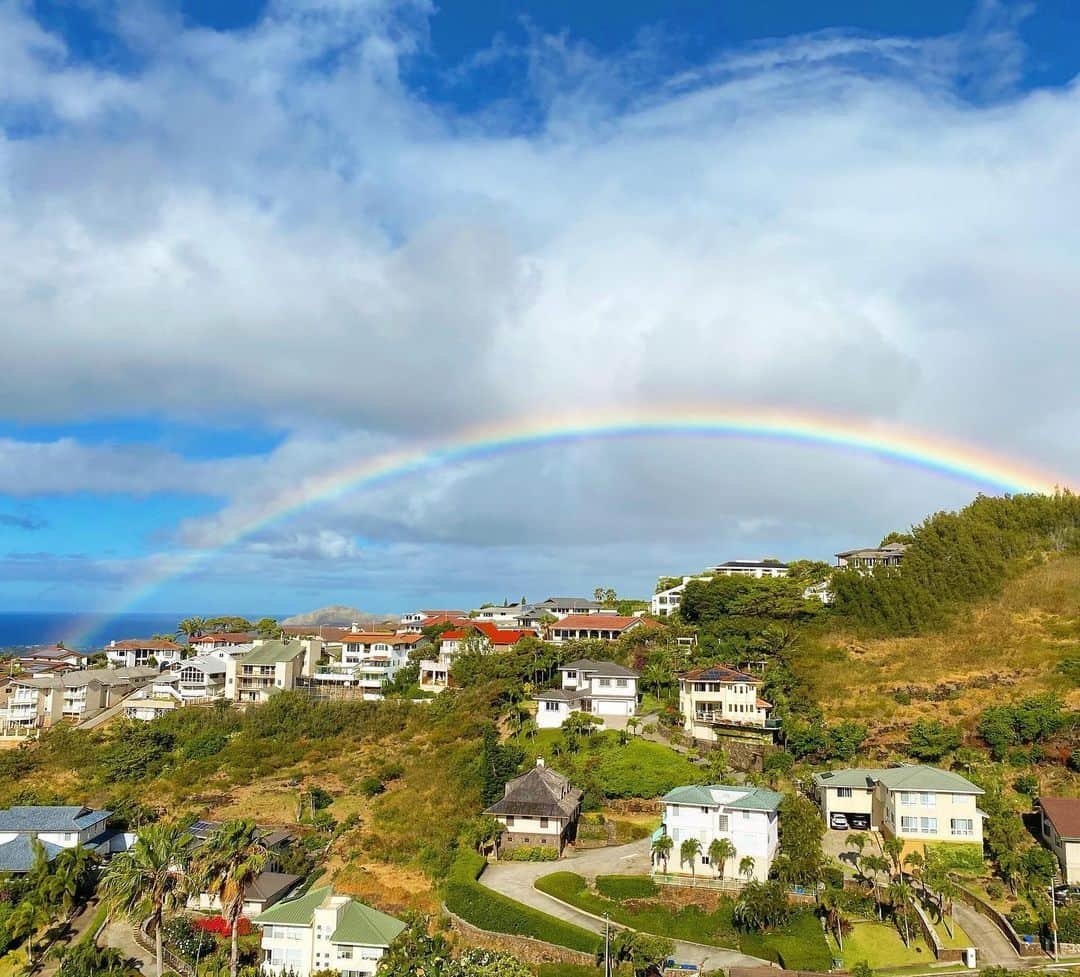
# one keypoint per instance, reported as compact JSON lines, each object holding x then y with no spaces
{"x":539,"y":793}
{"x":1064,"y":814}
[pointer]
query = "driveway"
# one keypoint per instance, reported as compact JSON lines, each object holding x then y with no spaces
{"x":991,"y":947}
{"x":517,"y":881}
{"x":118,"y":933}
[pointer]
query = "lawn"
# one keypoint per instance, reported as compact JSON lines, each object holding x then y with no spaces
{"x":879,"y":944}
{"x":957,"y":941}
{"x":800,"y":945}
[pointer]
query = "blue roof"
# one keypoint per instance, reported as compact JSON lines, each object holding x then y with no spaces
{"x":58,"y":818}
{"x":17,"y":855}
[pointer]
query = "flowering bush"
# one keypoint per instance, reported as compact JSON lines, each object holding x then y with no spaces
{"x":219,"y":926}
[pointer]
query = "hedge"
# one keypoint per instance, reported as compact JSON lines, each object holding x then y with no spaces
{"x":626,"y":886}
{"x":467,"y":898}
{"x":532,"y":853}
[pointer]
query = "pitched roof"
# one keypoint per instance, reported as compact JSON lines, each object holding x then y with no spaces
{"x":542,"y":792}
{"x":594,"y":622}
{"x":140,"y":644}
{"x":55,"y":652}
{"x":50,"y":818}
{"x":224,"y":638}
{"x":381,"y":637}
{"x":270,"y":885}
{"x":745,"y":799}
{"x":295,"y":912}
{"x":208,"y":664}
{"x":582,"y":603}
{"x":102,"y":676}
{"x":718,"y":673}
{"x":361,"y":924}
{"x":560,"y":695}
{"x":604,"y":669}
{"x":1064,"y":814}
{"x":906,"y":777}
{"x":753,"y":564}
{"x":17,"y":855}
{"x":499,"y":637}
{"x":272,"y":652}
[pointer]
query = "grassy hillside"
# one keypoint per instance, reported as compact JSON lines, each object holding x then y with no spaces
{"x":1007,"y":647}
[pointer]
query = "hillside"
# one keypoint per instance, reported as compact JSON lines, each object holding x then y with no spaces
{"x":1004,"y":648}
{"x":337,"y":614}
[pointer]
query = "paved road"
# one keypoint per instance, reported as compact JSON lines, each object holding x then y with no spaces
{"x":991,"y":947}
{"x":517,"y":880}
{"x":118,"y":933}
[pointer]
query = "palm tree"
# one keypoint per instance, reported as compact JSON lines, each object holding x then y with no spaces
{"x":874,"y":864}
{"x":720,"y":850}
{"x":190,"y":627}
{"x":231,"y":859}
{"x":689,"y":850}
{"x":70,"y":881}
{"x":894,"y":848}
{"x":900,"y":897}
{"x":147,"y":880}
{"x":746,"y":867}
{"x":834,"y":916}
{"x":916,"y":865}
{"x":657,"y":674}
{"x":661,"y":849}
{"x":26,"y":919}
{"x":633,"y":724}
{"x":858,"y":840}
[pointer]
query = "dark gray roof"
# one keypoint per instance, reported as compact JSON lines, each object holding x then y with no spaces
{"x":539,"y":793}
{"x":600,"y":668}
{"x":270,"y":886}
{"x":101,"y":676}
{"x":562,"y":695}
{"x":17,"y":855}
{"x":579,"y":602}
{"x":31,"y":819}
{"x":754,"y":564}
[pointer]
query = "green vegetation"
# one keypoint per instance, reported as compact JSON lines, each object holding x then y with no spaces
{"x":626,"y":886}
{"x":796,"y":945}
{"x":880,"y":945}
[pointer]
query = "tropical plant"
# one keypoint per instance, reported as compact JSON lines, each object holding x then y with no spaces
{"x":900,"y":896}
{"x":916,"y":866}
{"x":148,"y":879}
{"x":869,"y":867}
{"x":746,"y":867}
{"x":661,"y":849}
{"x":720,"y":850}
{"x":230,"y":860}
{"x":191,"y":627}
{"x":644,"y":953}
{"x":762,"y":906}
{"x":26,"y":919}
{"x":894,"y":848}
{"x":689,"y":851}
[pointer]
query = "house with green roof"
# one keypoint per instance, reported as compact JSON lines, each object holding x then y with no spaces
{"x":270,"y":667}
{"x":911,"y":802}
{"x":747,"y":817}
{"x":322,"y":931}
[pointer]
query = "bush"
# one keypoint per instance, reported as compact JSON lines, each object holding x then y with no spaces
{"x":626,"y":886}
{"x":995,"y":889}
{"x":204,"y":745}
{"x":929,"y":740}
{"x":1027,"y":784}
{"x":956,"y":858}
{"x":532,"y":853}
{"x":371,"y":786}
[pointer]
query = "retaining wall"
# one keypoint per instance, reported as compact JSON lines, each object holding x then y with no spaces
{"x":525,"y":948}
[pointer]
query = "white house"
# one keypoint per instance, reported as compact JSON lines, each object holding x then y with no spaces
{"x":55,"y":827}
{"x":666,"y":602}
{"x":271,"y":667}
{"x":538,"y":809}
{"x":55,"y":655}
{"x":140,"y":652}
{"x":750,"y":568}
{"x":321,"y":931}
{"x":1060,"y":829}
{"x":747,"y":817}
{"x":821,"y":591}
{"x":602,"y":627}
{"x":718,"y":699}
{"x":45,"y":700}
{"x":601,"y":689}
{"x":501,"y":614}
{"x":911,"y":802}
{"x":872,"y":557}
{"x":230,"y":644}
{"x":201,"y":678}
{"x":154,"y":700}
{"x":415,"y":621}
{"x":367,"y":661}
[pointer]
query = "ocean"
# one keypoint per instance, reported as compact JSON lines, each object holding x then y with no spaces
{"x":92,"y":631}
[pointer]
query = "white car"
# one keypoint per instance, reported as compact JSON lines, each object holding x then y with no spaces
{"x":838,"y":822}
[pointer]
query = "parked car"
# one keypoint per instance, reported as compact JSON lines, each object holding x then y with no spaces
{"x":838,"y":822}
{"x":859,"y":822}
{"x":1065,"y":894}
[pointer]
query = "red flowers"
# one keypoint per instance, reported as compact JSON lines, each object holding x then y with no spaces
{"x":219,"y":926}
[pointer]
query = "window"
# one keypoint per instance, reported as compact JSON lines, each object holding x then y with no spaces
{"x":909,"y":825}
{"x":344,"y":953}
{"x":722,"y":822}
{"x":928,"y":799}
{"x":605,"y":683}
{"x":908,"y":798}
{"x":705,"y":860}
{"x":543,"y":822}
{"x":746,"y":815}
{"x":704,"y":810}
{"x":509,"y":820}
{"x":620,"y":683}
{"x":843,"y":791}
{"x":928,"y":826}
{"x":964,"y":827}
{"x":674,"y":810}
{"x":551,"y":706}
{"x":571,"y":674}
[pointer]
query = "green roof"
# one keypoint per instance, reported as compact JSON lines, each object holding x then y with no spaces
{"x":357,"y":923}
{"x":907,"y":777}
{"x":369,"y":927}
{"x":273,"y":652}
{"x":295,"y":912}
{"x":750,"y":799}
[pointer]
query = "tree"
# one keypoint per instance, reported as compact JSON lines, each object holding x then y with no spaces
{"x":746,"y":867}
{"x":870,"y":866}
{"x":230,"y":860}
{"x":661,"y":849}
{"x":689,"y":851}
{"x":916,"y":866}
{"x":147,"y":880}
{"x":833,"y":905}
{"x":894,"y":848}
{"x":801,"y":831}
{"x":929,"y":740}
{"x":633,"y":724}
{"x":762,"y":906}
{"x":27,"y":918}
{"x":857,"y":840}
{"x":720,"y":850}
{"x":900,"y":897}
{"x":71,"y":880}
{"x":191,"y":627}
{"x":85,"y":959}
{"x":641,"y":951}
{"x":657,"y":675}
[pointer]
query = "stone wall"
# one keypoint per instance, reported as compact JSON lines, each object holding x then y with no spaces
{"x":941,"y":952}
{"x":525,"y":948}
{"x":998,"y":919}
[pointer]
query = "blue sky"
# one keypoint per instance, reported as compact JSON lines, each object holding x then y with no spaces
{"x":250,"y":243}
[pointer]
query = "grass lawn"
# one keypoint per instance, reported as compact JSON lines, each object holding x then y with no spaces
{"x":879,"y":944}
{"x":800,"y":945}
{"x":958,"y":940}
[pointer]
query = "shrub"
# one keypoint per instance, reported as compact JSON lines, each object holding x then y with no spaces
{"x":204,"y":745}
{"x":956,"y":858}
{"x":371,"y":786}
{"x":533,"y":853}
{"x":995,"y":889}
{"x":929,"y":740}
{"x":219,"y":926}
{"x":626,"y":886}
{"x":1027,"y":784}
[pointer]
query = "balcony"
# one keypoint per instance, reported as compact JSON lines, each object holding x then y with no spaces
{"x":248,"y":684}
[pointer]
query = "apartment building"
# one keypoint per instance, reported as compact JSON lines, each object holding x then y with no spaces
{"x":272,"y":667}
{"x":717,"y":700}
{"x":749,"y":818}
{"x":41,"y":701}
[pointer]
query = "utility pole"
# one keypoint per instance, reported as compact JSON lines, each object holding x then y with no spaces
{"x":607,"y":945}
{"x":1053,"y":911}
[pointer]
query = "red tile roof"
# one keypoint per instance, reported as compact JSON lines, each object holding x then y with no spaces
{"x":226,"y":638}
{"x":497,"y":636}
{"x":718,"y":673}
{"x":382,"y":637}
{"x":1064,"y":814}
{"x":593,"y":622}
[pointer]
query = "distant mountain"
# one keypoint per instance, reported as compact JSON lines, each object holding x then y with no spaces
{"x":336,"y":615}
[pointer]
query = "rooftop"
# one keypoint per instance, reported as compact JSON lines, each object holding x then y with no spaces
{"x":356,"y":923}
{"x":542,"y":792}
{"x":906,"y":777}
{"x":1064,"y":814}
{"x":752,"y":564}
{"x":144,"y":644}
{"x":273,"y":652}
{"x":49,"y":819}
{"x":593,"y":622}
{"x":718,"y":673}
{"x":599,"y":668}
{"x":743,"y":799}
{"x":17,"y":855}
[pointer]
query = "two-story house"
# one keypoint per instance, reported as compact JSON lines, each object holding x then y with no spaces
{"x":223,"y":645}
{"x":911,"y":802}
{"x":748,"y":817}
{"x":666,"y":602}
{"x":47,"y":699}
{"x":538,"y":809}
{"x":1059,"y":826}
{"x":272,"y":667}
{"x":56,"y":656}
{"x":602,"y":689}
{"x":718,"y":699}
{"x":415,"y":621}
{"x":872,"y":558}
{"x":598,"y":627}
{"x":322,"y":932}
{"x":56,"y":827}
{"x":140,"y":652}
{"x":484,"y":636}
{"x":367,"y":661}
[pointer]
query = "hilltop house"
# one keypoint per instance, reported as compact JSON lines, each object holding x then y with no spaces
{"x":872,"y":558}
{"x":748,"y":817}
{"x":601,"y":689}
{"x":750,"y":568}
{"x":322,"y":932}
{"x":603,"y":627}
{"x":485,"y":636}
{"x":140,"y":652}
{"x":415,"y":621}
{"x":56,"y":655}
{"x":539,"y":808}
{"x":229,"y":644}
{"x":367,"y":661}
{"x":271,"y":667}
{"x":1059,"y":825}
{"x":911,"y":802}
{"x":56,"y":828}
{"x":46,"y":699}
{"x":187,"y":682}
{"x":666,"y":602}
{"x":718,"y":700}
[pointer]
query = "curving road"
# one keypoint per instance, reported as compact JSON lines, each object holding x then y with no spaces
{"x":516,"y":880}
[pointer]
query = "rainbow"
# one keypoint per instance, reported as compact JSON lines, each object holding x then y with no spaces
{"x":968,"y":463}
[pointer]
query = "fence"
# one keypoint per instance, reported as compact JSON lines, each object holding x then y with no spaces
{"x":170,"y":959}
{"x":796,"y":893}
